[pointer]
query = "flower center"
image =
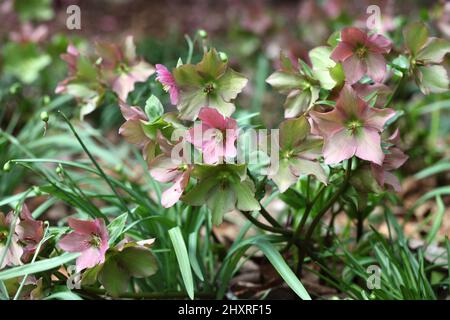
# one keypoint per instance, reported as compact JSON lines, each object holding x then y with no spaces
{"x":354,"y":125}
{"x":286,"y":154}
{"x":209,"y":88}
{"x":183,"y":167}
{"x":361,"y":52}
{"x":96,"y":241}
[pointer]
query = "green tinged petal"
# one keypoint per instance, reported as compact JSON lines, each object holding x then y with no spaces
{"x":114,"y":278}
{"x":432,"y":79}
{"x":138,"y":261}
{"x":245,"y":193}
{"x":416,"y":35}
{"x":293,"y":132}
{"x":231,"y":84}
{"x":434,"y":51}
{"x":285,"y":81}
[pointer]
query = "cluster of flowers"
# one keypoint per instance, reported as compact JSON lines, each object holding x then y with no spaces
{"x":336,"y":109}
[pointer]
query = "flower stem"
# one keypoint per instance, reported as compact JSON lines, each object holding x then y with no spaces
{"x":394,"y":93}
{"x":263,"y":226}
{"x":322,"y":212}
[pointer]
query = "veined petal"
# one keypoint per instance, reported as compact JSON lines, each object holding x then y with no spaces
{"x":376,"y":118}
{"x":376,"y":67}
{"x":340,"y":146}
{"x":342,"y":52}
{"x":89,"y":258}
{"x":353,"y":36}
{"x":368,"y":145}
{"x":354,"y":69}
{"x":75,"y":242}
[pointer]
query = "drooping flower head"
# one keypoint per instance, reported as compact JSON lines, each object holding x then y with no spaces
{"x":14,"y":251}
{"x":30,"y":232}
{"x":352,"y":128}
{"x":361,"y":54}
{"x":427,"y":53}
{"x":215,"y":136}
{"x":122,"y":67}
{"x":222,"y":188}
{"x":165,"y":169}
{"x":298,"y":82}
{"x":168,"y":81}
{"x":298,"y":152}
{"x":90,"y":238}
{"x":211,"y":83}
{"x":394,"y":159}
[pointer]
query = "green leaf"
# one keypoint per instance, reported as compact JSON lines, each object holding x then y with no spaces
{"x":34,"y":9}
{"x":416,"y":35}
{"x":437,"y":220}
{"x":138,"y":261}
{"x":39,"y":266}
{"x":192,"y":243}
{"x":153,"y":108}
{"x":183,"y":259}
{"x":434,"y":169}
{"x":283,"y":269}
{"x":24,"y":61}
{"x":64,"y":295}
{"x":116,"y":227}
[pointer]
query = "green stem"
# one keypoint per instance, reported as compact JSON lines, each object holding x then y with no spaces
{"x":395,"y":92}
{"x":323,"y":211}
{"x":270,"y":219}
{"x":263,"y":226}
{"x":100,"y":170}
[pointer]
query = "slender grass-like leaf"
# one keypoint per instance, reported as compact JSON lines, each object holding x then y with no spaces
{"x":183,"y":259}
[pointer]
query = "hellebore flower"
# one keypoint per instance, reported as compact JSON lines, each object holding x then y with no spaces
{"x":90,"y":238}
{"x":223,"y":188}
{"x":215,"y":136}
{"x":122,"y":67}
{"x":361,"y":54}
{"x":298,"y":83}
{"x":164,"y":169}
{"x":30,"y":233}
{"x":28,"y":33}
{"x":168,"y":81}
{"x":394,"y":159}
{"x":209,"y":83}
{"x":14,"y":251}
{"x":141,"y":128}
{"x":426,"y":56}
{"x":297,"y":154}
{"x":83,"y":81}
{"x":352,"y":128}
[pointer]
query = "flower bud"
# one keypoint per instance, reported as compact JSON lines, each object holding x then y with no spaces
{"x":44,"y":116}
{"x":7,"y":166}
{"x":223,"y":56}
{"x":202,"y":33}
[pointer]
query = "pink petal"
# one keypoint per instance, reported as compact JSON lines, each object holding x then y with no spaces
{"x":83,"y":226}
{"x":212,"y":151}
{"x":75,"y":242}
{"x":395,"y":159}
{"x":328,"y":123}
{"x":368,"y":148}
{"x":378,"y":43}
{"x":353,"y":36}
{"x":376,"y":118}
{"x":342,"y":51}
{"x":376,"y":67}
{"x":391,"y":179}
{"x":173,"y":194}
{"x":212,"y":118}
{"x":163,"y":169}
{"x":89,"y":258}
{"x":131,"y":113}
{"x":340,"y":146}
{"x":349,"y":104}
{"x":354,"y":69}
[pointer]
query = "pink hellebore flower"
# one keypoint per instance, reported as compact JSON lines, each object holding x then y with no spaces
{"x":361,"y":54}
{"x":352,"y":128}
{"x":30,"y":233}
{"x":168,"y":81}
{"x":165,"y":169}
{"x":394,"y":159}
{"x":215,"y":136}
{"x":14,"y":250}
{"x":90,"y":238}
{"x":71,"y":58}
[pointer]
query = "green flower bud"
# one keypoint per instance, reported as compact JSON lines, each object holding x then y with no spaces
{"x":44,"y":116}
{"x":202,"y":33}
{"x":7,"y":166}
{"x":223,"y":56}
{"x":37,"y":190}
